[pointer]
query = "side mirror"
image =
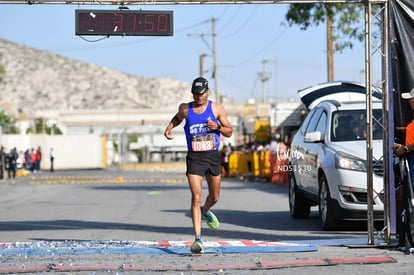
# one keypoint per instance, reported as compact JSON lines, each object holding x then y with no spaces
{"x":314,"y":137}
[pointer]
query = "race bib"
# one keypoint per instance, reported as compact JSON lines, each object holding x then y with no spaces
{"x":205,"y":142}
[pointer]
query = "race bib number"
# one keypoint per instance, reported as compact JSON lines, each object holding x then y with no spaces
{"x":203,"y":142}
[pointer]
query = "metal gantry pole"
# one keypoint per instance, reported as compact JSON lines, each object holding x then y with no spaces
{"x":385,"y":112}
{"x":386,"y":137}
{"x":368,"y":84}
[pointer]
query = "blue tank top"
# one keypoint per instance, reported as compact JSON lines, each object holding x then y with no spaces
{"x":199,"y":136}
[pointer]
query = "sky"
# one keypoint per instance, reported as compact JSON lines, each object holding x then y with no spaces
{"x":247,"y":37}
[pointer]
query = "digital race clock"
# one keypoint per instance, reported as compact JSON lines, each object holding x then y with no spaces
{"x":124,"y":22}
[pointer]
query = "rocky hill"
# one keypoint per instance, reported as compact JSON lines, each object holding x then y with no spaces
{"x":39,"y":80}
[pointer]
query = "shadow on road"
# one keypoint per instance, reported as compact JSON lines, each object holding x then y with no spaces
{"x":276,"y":222}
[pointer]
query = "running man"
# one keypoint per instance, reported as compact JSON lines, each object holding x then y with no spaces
{"x":205,"y":121}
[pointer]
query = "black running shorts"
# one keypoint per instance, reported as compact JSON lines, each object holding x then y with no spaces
{"x":203,"y":163}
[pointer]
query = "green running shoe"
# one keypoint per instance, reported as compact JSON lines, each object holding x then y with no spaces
{"x":211,"y":219}
{"x":197,"y":247}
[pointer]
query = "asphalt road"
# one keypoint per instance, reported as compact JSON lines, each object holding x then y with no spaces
{"x":152,"y":204}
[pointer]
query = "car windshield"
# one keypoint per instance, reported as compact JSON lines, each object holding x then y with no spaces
{"x":350,"y":125}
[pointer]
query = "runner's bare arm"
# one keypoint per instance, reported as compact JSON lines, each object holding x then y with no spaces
{"x":176,"y":120}
{"x":221,"y":115}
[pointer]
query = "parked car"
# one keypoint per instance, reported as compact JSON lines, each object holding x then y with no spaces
{"x":328,"y":156}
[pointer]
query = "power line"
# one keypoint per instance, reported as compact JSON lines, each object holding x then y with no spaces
{"x":232,"y":17}
{"x":262,"y":49}
{"x":242,"y":26}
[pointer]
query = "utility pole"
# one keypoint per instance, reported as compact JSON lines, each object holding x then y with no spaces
{"x":213,"y":49}
{"x":275,"y":76}
{"x":202,"y":64}
{"x":215,"y":73}
{"x":264,"y":79}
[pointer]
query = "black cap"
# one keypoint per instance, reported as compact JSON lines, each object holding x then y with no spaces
{"x":200,"y":86}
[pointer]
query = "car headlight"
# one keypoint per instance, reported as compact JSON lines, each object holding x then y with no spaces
{"x":345,"y":161}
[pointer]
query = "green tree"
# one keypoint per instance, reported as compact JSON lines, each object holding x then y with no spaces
{"x":133,"y":137}
{"x":344,"y":24}
{"x":40,"y":127}
{"x":53,"y":130}
{"x":8,"y":123}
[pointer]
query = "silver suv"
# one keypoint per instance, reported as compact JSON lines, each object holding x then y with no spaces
{"x":328,"y":158}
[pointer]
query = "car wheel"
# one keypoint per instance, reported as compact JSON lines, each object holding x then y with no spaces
{"x":326,"y":216}
{"x":299,"y":206}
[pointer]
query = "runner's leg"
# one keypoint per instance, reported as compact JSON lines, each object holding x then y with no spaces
{"x":195,"y":184}
{"x":214,"y":183}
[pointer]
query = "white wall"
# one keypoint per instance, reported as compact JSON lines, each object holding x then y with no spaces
{"x":71,"y":152}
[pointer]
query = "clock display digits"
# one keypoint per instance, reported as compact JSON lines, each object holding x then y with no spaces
{"x":104,"y":22}
{"x":118,"y":19}
{"x":149,"y":23}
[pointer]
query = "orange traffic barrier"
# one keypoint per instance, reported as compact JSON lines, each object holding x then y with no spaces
{"x":255,"y":163}
{"x":264,"y":163}
{"x":238,"y":164}
{"x":268,"y":164}
{"x":280,"y":165}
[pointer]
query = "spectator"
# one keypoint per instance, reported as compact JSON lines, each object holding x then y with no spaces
{"x":21,"y":161}
{"x":11,"y":160}
{"x":260,"y":146}
{"x":27,"y":159}
{"x":274,"y":143}
{"x":33,"y":160}
{"x":2,"y":162}
{"x":38,"y":158}
{"x":225,"y":153}
{"x":52,"y":158}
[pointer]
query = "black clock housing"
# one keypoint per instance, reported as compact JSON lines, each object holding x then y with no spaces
{"x":124,"y":22}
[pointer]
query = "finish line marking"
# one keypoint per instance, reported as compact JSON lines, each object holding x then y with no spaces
{"x":77,"y":244}
{"x":147,"y":247}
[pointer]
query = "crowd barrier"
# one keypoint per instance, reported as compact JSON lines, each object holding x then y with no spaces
{"x":268,"y":165}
